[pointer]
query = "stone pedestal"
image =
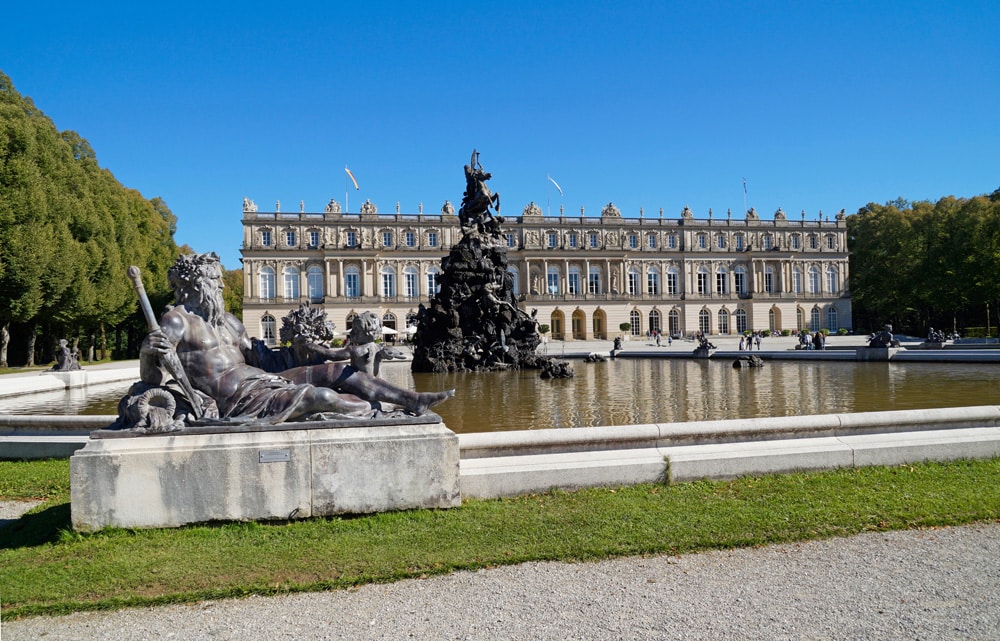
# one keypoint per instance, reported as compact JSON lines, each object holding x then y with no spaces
{"x":173,"y":480}
{"x":876,"y":353}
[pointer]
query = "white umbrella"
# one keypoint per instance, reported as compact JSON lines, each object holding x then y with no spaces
{"x":389,"y":330}
{"x":410,"y":330}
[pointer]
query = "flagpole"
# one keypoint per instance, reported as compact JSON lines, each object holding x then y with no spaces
{"x":548,"y":192}
{"x":347,"y":192}
{"x":745,"y":196}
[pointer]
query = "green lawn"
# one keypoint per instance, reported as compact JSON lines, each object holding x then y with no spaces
{"x":47,"y":568}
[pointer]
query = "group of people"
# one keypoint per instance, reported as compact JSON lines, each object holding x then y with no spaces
{"x":657,"y":335}
{"x":812,"y":341}
{"x":748,"y":342}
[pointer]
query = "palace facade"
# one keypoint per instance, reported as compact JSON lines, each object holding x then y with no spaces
{"x":585,"y":275}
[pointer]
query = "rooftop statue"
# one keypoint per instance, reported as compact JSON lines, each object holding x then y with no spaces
{"x":204,"y":358}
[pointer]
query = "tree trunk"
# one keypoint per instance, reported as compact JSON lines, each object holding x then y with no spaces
{"x":4,"y":341}
{"x":103,"y":352}
{"x":31,"y":345}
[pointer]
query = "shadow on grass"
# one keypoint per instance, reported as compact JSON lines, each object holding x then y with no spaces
{"x":36,"y":528}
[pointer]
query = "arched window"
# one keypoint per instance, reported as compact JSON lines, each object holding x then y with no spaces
{"x":653,"y":282}
{"x":269,"y":330}
{"x":266,"y":283}
{"x":433,"y":273}
{"x":704,"y":322}
{"x":741,"y":321}
{"x":388,"y":282}
{"x":635,"y":319}
{"x":314,"y":281}
{"x":674,"y":323}
{"x":352,"y":283}
{"x":290,"y":280}
{"x":654,"y":321}
{"x":800,"y":318}
{"x":723,"y":321}
{"x":831,"y":281}
{"x":832,"y":323}
{"x":411,"y":280}
{"x":772,"y":320}
{"x":814,"y":321}
{"x":721,"y":281}
{"x":813,"y":280}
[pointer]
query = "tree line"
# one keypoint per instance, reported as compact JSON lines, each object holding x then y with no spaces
{"x":922,"y":264}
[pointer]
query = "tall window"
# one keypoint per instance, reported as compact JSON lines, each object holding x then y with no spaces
{"x":511,"y":241}
{"x":814,"y":319}
{"x":831,"y":242}
{"x":740,"y":280}
{"x":704,"y":322}
{"x":314,"y":281}
{"x":674,"y":323}
{"x":314,"y":239}
{"x":723,"y":321}
{"x":352,"y":283}
{"x":831,"y":281}
{"x":633,"y":241}
{"x":290,"y":238}
{"x":653,"y":282}
{"x":651,"y":241}
{"x":410,"y":282}
{"x":432,"y":281}
{"x":673,"y":282}
{"x":635,"y":319}
{"x":267,"y":283}
{"x":268,"y":330}
{"x":702,"y":241}
{"x":388,"y":282}
{"x":633,"y":282}
{"x":352,"y":239}
{"x":813,"y":280}
{"x":595,"y":240}
{"x":594,"y":280}
{"x":741,"y":321}
{"x":832,"y":323}
{"x":769,"y":280}
{"x":720,"y":241}
{"x":432,"y":239}
{"x":797,"y":280}
{"x":512,"y":273}
{"x":553,"y":240}
{"x":387,"y":239}
{"x":574,"y":281}
{"x":672,"y":241}
{"x":291,"y":283}
{"x":574,"y":240}
{"x":702,"y":280}
{"x":765,"y":242}
{"x":739,"y":242}
{"x":552,"y":281}
{"x":813,"y":241}
{"x":265,"y":238}
{"x":794,"y":241}
{"x":800,"y":318}
{"x":654,"y":321}
{"x":721,"y":281}
{"x":410,"y":238}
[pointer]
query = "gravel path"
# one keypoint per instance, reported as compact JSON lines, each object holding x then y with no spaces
{"x":931,"y":584}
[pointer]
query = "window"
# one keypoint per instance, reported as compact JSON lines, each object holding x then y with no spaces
{"x":813,"y":243}
{"x":553,"y":240}
{"x":314,"y":239}
{"x":410,"y":280}
{"x":594,"y":281}
{"x":832,"y":323}
{"x":673,"y":282}
{"x":290,"y":238}
{"x":653,"y":282}
{"x":388,"y":282}
{"x":633,"y":282}
{"x":512,"y":275}
{"x":831,"y":242}
{"x":410,"y":239}
{"x":674,"y":323}
{"x":794,"y":241}
{"x":769,"y":280}
{"x":352,"y":239}
{"x":267,"y":283}
{"x":702,"y":241}
{"x":720,"y":242}
{"x":651,"y":241}
{"x":574,"y":240}
{"x":314,"y":282}
{"x":552,"y":281}
{"x":813,"y":280}
{"x":432,"y":281}
{"x":268,"y":329}
{"x":702,"y":281}
{"x":814,"y":319}
{"x":740,"y":280}
{"x":797,"y":280}
{"x":291,"y":283}
{"x":722,"y":282}
{"x":800,"y":318}
{"x":672,"y":241}
{"x":654,"y":321}
{"x":635,"y":319}
{"x":387,"y":239}
{"x":741,"y":321}
{"x":352,"y":283}
{"x":704,"y":322}
{"x":574,"y":281}
{"x":765,"y":242}
{"x":511,"y":242}
{"x":633,"y":241}
{"x":723,"y":321}
{"x":265,"y":238}
{"x":739,"y":242}
{"x":432,"y":239}
{"x":595,"y":240}
{"x":831,"y":281}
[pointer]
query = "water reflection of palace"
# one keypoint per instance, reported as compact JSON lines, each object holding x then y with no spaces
{"x":586,"y":275}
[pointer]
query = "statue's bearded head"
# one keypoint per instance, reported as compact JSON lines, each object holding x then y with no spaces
{"x":197,"y":283}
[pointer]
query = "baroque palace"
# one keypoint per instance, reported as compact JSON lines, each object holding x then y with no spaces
{"x":585,"y":275}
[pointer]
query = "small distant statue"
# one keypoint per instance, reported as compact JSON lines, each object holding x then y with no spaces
{"x":333,"y":207}
{"x":617,"y":347}
{"x":883,"y":338}
{"x":66,"y":358}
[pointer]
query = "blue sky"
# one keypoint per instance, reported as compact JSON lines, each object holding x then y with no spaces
{"x":820,"y":106}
